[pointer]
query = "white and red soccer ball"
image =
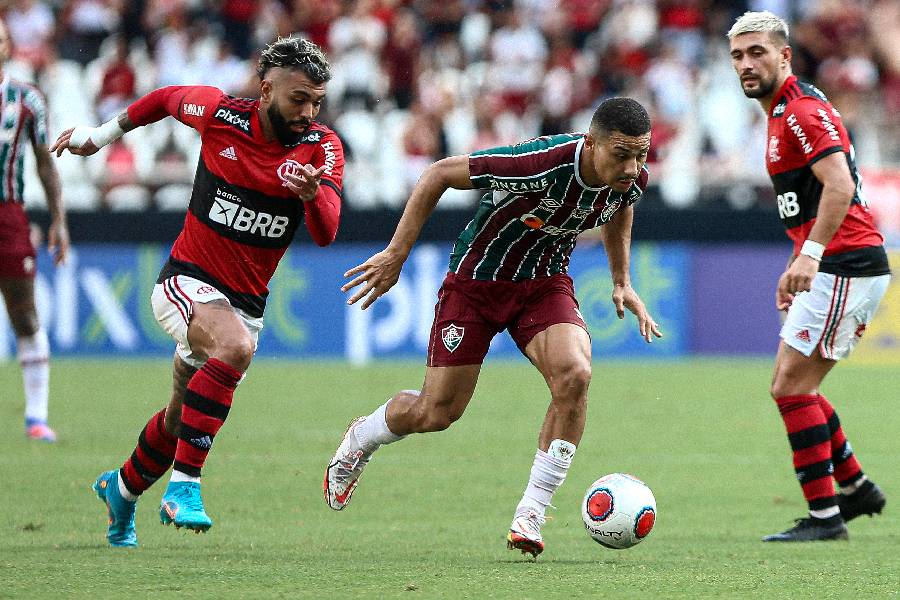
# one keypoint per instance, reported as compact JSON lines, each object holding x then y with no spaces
{"x":618,"y":511}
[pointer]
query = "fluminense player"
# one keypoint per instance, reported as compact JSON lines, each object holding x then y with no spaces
{"x":265,"y":166}
{"x":508,"y":271}
{"x":23,"y":123}
{"x":835,"y":276}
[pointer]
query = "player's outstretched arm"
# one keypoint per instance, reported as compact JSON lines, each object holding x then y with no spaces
{"x":379,"y":274}
{"x":85,"y":141}
{"x":616,"y":236}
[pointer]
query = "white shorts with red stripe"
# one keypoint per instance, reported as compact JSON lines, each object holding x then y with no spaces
{"x":833,"y":315}
{"x":173,"y":305}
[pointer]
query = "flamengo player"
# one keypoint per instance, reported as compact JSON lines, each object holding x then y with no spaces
{"x":264,"y":167}
{"x":835,"y":278}
{"x":508,"y":271}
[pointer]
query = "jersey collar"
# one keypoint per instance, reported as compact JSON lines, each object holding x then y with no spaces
{"x":577,"y":169}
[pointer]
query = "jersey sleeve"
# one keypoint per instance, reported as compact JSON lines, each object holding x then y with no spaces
{"x":38,"y":108}
{"x":813,"y":131}
{"x":324,"y":212}
{"x":193,"y":105}
{"x":523,"y":166}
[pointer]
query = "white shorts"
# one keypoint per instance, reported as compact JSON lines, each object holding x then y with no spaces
{"x":833,"y":315}
{"x":173,"y":305}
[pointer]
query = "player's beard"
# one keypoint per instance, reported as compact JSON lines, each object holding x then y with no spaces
{"x":283,"y":132}
{"x":766,"y":87}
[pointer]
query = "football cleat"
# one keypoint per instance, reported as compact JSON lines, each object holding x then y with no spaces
{"x":810,"y":530}
{"x":40,"y":432}
{"x":344,"y":470}
{"x":525,"y":533}
{"x":182,"y":506}
{"x":869,"y":501}
{"x":121,"y":511}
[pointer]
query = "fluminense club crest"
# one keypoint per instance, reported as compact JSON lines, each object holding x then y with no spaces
{"x":452,"y":336}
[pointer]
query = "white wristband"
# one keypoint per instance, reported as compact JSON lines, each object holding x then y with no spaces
{"x":99,"y":136}
{"x":813,"y":249}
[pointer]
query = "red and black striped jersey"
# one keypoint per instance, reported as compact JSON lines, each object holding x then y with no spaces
{"x":241,"y":216}
{"x":804,"y":127}
{"x":527,"y":226}
{"x":23,"y":121}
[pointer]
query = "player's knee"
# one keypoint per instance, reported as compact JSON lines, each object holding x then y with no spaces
{"x":572,"y":382}
{"x":237,"y":351}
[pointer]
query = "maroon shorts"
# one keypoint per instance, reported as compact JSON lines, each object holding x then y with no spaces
{"x":469,"y":313}
{"x":17,"y":254}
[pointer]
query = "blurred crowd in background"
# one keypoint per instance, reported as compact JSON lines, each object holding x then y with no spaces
{"x":417,"y":80}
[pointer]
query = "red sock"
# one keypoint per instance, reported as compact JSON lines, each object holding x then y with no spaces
{"x":846,"y":468}
{"x":810,"y":440}
{"x":207,"y":401}
{"x":152,"y":456}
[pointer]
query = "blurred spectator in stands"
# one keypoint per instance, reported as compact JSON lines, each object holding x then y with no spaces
{"x":558,"y":85}
{"x":583,"y":17}
{"x":400,"y":57}
{"x":228,"y":72}
{"x":518,"y":56}
{"x":681,"y":24}
{"x":884,"y":24}
{"x":670,"y":78}
{"x":423,"y":143}
{"x":315,"y":19}
{"x":441,"y":17}
{"x":237,"y":18}
{"x":357,"y":39}
{"x":85,"y":24}
{"x":31,"y":25}
{"x":172,"y":49}
{"x":118,"y":87}
{"x":134,"y":24}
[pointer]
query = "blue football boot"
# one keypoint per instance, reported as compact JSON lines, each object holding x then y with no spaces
{"x":182,"y":505}
{"x":121,"y":511}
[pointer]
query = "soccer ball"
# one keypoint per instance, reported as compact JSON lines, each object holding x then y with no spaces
{"x":618,"y":511}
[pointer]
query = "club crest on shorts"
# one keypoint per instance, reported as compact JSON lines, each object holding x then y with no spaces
{"x":452,"y":336}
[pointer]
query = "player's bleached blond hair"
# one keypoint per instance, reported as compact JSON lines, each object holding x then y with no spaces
{"x":766,"y":22}
{"x":295,"y":53}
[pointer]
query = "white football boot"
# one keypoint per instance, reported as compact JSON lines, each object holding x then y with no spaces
{"x":344,"y":470}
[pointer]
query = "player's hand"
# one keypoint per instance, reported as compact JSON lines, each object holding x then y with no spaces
{"x":58,"y":242}
{"x":305,"y":181}
{"x":64,"y":141}
{"x":377,"y":275}
{"x":797,"y":278}
{"x":624,"y":297}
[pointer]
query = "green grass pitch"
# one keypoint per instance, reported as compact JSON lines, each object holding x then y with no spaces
{"x":430,"y":516}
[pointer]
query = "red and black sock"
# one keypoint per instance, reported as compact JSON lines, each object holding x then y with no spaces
{"x":810,"y":440}
{"x":206,"y":405}
{"x":847,"y":470}
{"x":152,"y":456}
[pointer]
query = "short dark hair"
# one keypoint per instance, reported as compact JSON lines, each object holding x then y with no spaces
{"x":624,"y":115}
{"x":296,"y":54}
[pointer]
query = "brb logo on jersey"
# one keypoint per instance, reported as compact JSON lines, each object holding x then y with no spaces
{"x":238,"y":119}
{"x":226,"y":210}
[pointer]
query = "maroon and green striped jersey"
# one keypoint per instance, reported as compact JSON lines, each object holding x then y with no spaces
{"x":526,"y":226}
{"x":23,"y":121}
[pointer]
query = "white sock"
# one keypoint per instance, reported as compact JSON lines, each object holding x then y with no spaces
{"x":34,"y":356}
{"x":372,"y":433}
{"x":826,"y":513}
{"x":547,"y":474}
{"x":179,"y":476}
{"x":124,"y":491}
{"x":852,"y":487}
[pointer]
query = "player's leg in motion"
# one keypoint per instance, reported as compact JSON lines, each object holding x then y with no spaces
{"x":33,"y":351}
{"x":443,"y":399}
{"x":859,"y":495}
{"x":217,"y":332}
{"x":151,"y":458}
{"x":562,"y":353}
{"x":795,"y":389}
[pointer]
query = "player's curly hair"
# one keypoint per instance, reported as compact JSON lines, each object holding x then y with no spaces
{"x":624,"y":115}
{"x":764,"y":21}
{"x":296,"y":54}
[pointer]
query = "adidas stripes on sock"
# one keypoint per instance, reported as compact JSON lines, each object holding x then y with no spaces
{"x":207,"y":401}
{"x":847,"y":470}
